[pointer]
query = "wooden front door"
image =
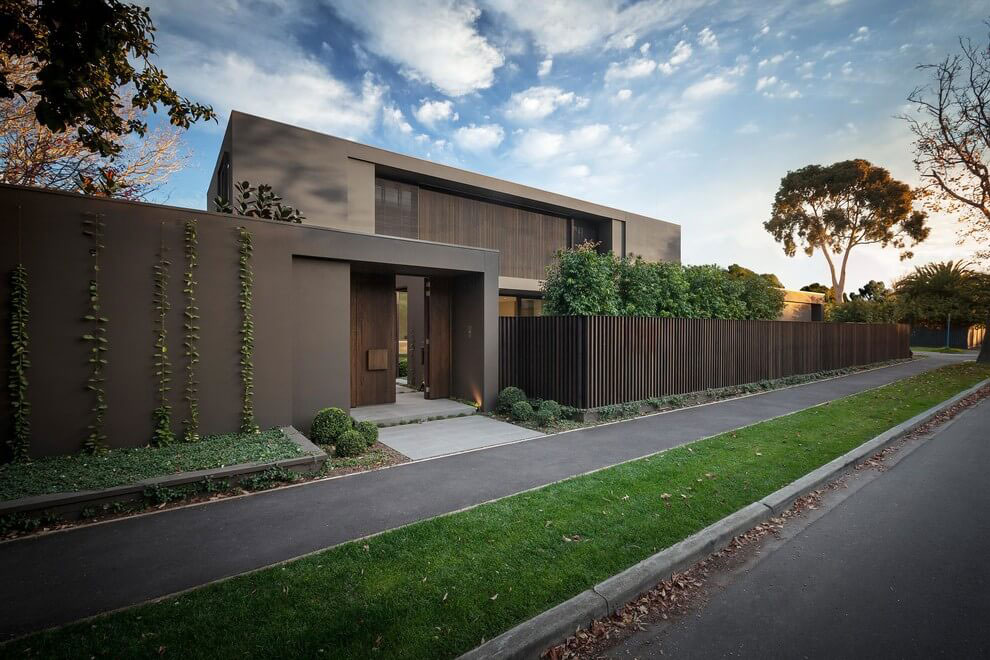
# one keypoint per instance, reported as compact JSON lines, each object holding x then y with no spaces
{"x":438,"y":311}
{"x":373,"y":339}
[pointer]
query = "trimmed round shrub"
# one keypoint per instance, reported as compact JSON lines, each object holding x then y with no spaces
{"x":369,"y":431}
{"x":543,"y":417}
{"x":551,"y":407}
{"x":522,"y":411}
{"x":350,"y":443}
{"x":328,"y":425}
{"x":507,"y":398}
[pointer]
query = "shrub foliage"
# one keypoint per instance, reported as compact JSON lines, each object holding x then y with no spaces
{"x":328,"y":425}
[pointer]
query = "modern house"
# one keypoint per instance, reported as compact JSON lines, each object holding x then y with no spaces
{"x":802,"y":306}
{"x":345,"y":185}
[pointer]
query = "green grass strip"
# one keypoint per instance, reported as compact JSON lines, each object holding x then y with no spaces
{"x":937,"y":349}
{"x":437,"y":588}
{"x":118,"y":467}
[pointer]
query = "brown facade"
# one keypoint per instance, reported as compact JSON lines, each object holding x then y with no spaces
{"x":346,"y":185}
{"x":301,"y":311}
{"x":594,"y":361}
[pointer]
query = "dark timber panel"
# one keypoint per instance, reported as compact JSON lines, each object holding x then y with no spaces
{"x":526,"y":240}
{"x":602,"y":360}
{"x":372,"y":328}
{"x":438,"y":309}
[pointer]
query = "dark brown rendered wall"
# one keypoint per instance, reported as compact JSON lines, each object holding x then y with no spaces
{"x":322,"y":311}
{"x":55,"y":254}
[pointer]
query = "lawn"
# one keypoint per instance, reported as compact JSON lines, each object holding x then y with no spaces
{"x":118,"y":467}
{"x":439,"y":587}
{"x":937,"y":349}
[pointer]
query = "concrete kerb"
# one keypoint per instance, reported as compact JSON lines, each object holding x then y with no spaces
{"x":71,"y":505}
{"x":530,"y":638}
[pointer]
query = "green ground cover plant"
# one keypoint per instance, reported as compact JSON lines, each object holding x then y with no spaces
{"x":117,"y":467}
{"x":439,"y":587}
{"x":937,"y":349}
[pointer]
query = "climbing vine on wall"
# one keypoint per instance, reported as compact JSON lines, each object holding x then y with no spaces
{"x":190,"y":327}
{"x":245,"y":244}
{"x":162,"y":415}
{"x":96,"y":439}
{"x":17,"y":380}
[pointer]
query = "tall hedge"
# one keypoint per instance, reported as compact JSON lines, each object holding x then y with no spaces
{"x":584,"y":282}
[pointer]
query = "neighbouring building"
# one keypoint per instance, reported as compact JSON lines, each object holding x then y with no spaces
{"x":345,"y":185}
{"x":802,"y":306}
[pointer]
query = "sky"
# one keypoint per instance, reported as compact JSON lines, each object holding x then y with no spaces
{"x":688,"y":111}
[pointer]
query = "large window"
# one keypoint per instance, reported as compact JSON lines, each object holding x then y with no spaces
{"x":519,"y":306}
{"x":396,"y":209}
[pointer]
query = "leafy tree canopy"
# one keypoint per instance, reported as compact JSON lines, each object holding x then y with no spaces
{"x":932,"y":292}
{"x":582,"y":282}
{"x":84,"y":52}
{"x":873,"y":290}
{"x":833,"y":209}
{"x":738,"y":272}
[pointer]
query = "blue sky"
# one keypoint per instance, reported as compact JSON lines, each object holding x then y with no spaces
{"x":685,"y":110}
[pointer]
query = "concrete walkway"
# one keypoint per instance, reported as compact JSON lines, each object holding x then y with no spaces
{"x":409,"y":406}
{"x":894,"y":569}
{"x":56,"y":578}
{"x":449,"y":436}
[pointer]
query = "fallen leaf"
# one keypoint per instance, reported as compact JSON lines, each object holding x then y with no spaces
{"x":493,"y":597}
{"x":665,"y":496}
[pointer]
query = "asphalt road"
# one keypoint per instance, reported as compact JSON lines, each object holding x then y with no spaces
{"x":57,"y":578}
{"x":896,"y":569}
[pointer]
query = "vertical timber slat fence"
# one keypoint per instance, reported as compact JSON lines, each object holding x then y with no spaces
{"x":592,"y":361}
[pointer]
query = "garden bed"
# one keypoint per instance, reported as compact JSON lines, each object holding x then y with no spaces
{"x":575,"y":418}
{"x":47,"y":491}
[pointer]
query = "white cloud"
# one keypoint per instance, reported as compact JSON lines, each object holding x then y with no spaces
{"x":579,"y":171}
{"x":644,"y":48}
{"x":749,"y":128}
{"x":394,"y":118}
{"x":708,"y":88}
{"x":623,"y":95}
{"x":433,"y":41}
{"x":862,"y":34}
{"x":634,"y":67}
{"x":430,"y":112}
{"x":772,"y":61}
{"x":593,"y":140}
{"x":563,"y":27}
{"x":298,"y":90}
{"x":479,"y":138}
{"x":847,"y":69}
{"x":707,"y":38}
{"x":765,"y":81}
{"x":765,"y":30}
{"x":545,"y":67}
{"x":681,"y":54}
{"x":536,"y":145}
{"x":539,"y":102}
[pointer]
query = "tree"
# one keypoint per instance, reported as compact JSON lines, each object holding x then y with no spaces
{"x":714,"y":295}
{"x":260,"y":202}
{"x":737,"y":271}
{"x":836,"y":208}
{"x":873,"y":290}
{"x":952,"y":143}
{"x":673,"y":291}
{"x":763,"y":300}
{"x":815,"y":287}
{"x":581,"y":282}
{"x":861,"y":310}
{"x":83,"y":54}
{"x":32,"y":155}
{"x":936,"y":291}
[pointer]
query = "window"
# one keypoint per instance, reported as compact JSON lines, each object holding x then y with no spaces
{"x":396,"y":209}
{"x":530,"y":307}
{"x":507,"y":306}
{"x":517,"y":306}
{"x":223,"y":177}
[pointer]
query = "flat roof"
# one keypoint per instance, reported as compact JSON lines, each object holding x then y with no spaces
{"x":426,"y":172}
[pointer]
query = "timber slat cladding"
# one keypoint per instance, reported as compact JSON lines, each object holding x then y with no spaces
{"x":526,"y":240}
{"x":593,"y":361}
